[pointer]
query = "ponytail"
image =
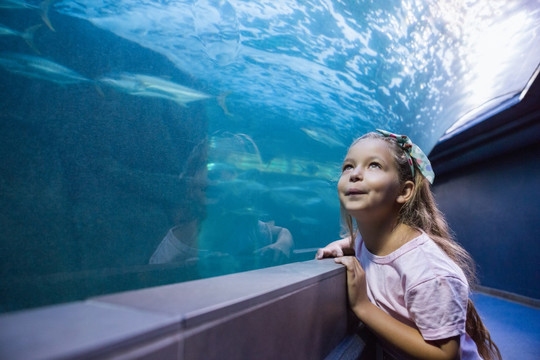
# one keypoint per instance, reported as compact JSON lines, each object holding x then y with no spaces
{"x":480,"y":335}
{"x":422,"y":212}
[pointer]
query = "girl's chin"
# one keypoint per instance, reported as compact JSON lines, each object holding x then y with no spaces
{"x":354,"y":207}
{"x":362,"y":214}
{"x":357,"y":213}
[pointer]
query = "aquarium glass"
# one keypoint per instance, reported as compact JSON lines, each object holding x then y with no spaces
{"x":150,"y":142}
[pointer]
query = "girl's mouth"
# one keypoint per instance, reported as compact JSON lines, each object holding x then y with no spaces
{"x":355,"y":192}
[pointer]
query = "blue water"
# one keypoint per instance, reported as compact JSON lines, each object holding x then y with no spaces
{"x":149,"y":142}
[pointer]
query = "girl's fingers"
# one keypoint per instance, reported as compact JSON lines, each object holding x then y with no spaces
{"x":320,"y":254}
{"x":348,"y":261}
{"x":328,"y":252}
{"x":354,"y":268}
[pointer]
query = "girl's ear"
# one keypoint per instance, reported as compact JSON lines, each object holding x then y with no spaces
{"x":407,"y":191}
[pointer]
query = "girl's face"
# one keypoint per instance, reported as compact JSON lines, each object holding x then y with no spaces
{"x":369,"y":184}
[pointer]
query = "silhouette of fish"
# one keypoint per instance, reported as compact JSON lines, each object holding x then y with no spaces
{"x":43,"y":8}
{"x":39,"y":68}
{"x":154,"y":86}
{"x":323,"y":136}
{"x":27,"y":35}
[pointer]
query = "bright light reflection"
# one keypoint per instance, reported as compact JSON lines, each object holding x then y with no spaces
{"x":492,"y":43}
{"x":489,"y":49}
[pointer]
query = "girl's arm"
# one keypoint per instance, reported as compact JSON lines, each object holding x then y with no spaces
{"x":335,"y":249}
{"x":407,"y":339}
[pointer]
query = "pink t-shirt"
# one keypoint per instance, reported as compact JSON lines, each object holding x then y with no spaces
{"x":419,"y":285}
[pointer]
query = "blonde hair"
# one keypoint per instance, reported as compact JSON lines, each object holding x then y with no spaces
{"x":421,"y":212}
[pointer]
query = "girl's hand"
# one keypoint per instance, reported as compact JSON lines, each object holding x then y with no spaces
{"x":406,"y":338}
{"x":356,"y":284}
{"x":335,"y":249}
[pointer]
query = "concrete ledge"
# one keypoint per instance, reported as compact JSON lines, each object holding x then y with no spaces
{"x":294,"y":311}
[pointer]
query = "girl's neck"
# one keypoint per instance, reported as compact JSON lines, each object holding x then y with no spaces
{"x":384,"y":239}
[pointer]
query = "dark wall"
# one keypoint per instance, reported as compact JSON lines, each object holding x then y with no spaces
{"x":494,"y":209}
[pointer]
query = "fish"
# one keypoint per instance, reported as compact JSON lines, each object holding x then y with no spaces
{"x":39,"y":68}
{"x":323,"y":136}
{"x":237,"y":186}
{"x":304,"y":194}
{"x":305,"y":220}
{"x":16,"y":4}
{"x":27,"y":35}
{"x":153,"y":86}
{"x":248,"y":211}
{"x":43,"y":8}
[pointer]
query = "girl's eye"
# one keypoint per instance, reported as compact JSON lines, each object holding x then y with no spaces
{"x":375,"y":165}
{"x":347,"y":167}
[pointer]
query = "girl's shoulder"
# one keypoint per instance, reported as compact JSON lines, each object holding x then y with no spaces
{"x":423,"y":260}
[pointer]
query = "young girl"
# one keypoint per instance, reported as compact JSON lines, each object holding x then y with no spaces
{"x":409,"y":280}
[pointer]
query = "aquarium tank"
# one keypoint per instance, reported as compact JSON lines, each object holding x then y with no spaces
{"x":150,"y":142}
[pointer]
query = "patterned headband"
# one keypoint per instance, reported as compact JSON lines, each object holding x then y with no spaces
{"x":413,"y":152}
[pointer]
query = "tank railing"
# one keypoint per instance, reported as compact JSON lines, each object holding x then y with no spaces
{"x":293,"y":311}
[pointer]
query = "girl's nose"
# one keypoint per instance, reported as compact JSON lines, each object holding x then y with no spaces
{"x":356,"y":174}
